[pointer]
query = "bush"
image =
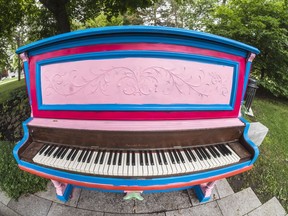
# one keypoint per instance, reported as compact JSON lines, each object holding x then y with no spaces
{"x":14,"y":181}
{"x":13,"y":112}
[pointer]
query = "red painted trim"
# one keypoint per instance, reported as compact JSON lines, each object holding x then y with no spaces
{"x":135,"y":115}
{"x":135,"y":188}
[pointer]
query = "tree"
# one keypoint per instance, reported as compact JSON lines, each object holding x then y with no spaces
{"x":64,"y":11}
{"x":188,"y":14}
{"x":263,"y":24}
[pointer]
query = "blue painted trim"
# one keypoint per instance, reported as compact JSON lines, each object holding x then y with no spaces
{"x":27,"y":78}
{"x":112,"y":39}
{"x":146,"y":30}
{"x":249,"y":141}
{"x":136,"y":107}
{"x":247,"y":72}
{"x":134,"y":182}
{"x":66,"y":195}
{"x":22,"y":141}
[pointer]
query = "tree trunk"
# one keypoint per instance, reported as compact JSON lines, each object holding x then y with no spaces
{"x":58,"y":8}
{"x":19,"y":60}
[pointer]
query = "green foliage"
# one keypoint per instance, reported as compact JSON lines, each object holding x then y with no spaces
{"x":13,"y":181}
{"x":13,"y":112}
{"x":269,"y":176}
{"x":99,"y":21}
{"x":263,"y":24}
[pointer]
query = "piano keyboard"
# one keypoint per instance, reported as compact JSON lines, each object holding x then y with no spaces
{"x":136,"y":163}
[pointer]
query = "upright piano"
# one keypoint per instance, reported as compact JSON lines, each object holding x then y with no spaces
{"x":136,"y":109}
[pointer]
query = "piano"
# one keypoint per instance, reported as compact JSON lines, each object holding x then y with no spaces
{"x":136,"y":109}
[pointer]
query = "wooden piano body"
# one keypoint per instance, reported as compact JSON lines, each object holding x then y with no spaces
{"x":136,"y":109}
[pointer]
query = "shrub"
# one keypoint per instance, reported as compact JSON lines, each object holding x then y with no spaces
{"x":14,"y":181}
{"x":13,"y":112}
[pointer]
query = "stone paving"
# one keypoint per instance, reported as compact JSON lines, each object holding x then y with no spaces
{"x":224,"y":202}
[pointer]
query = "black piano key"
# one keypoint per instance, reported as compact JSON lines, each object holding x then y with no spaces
{"x":151,"y":158}
{"x":51,"y":151}
{"x":85,"y":156}
{"x":202,"y":153}
{"x":187,"y":155}
{"x":227,"y":150}
{"x":97,"y":157}
{"x":215,"y":150}
{"x":192,"y":155}
{"x":146,"y":158}
{"x":128,"y":158}
{"x":90,"y":156}
{"x":48,"y":150}
{"x":171,"y":157}
{"x":60,"y":152}
{"x":81,"y":155}
{"x":141,"y":158}
{"x":110,"y":157}
{"x":64,"y":153}
{"x":198,"y":154}
{"x":133,"y":158}
{"x":114,"y":160}
{"x":120,"y":159}
{"x":176,"y":156}
{"x":74,"y":154}
{"x":56,"y":152}
{"x":164,"y":157}
{"x":220,"y":150}
{"x":211,"y":151}
{"x":159,"y":157}
{"x":70,"y":154}
{"x":43,"y":149}
{"x":102,"y":157}
{"x":181,"y":156}
{"x":206,"y":153}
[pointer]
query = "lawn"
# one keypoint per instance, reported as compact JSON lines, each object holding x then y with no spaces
{"x":269,"y":177}
{"x":7,"y":87}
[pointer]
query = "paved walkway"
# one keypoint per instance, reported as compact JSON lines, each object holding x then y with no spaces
{"x":86,"y":202}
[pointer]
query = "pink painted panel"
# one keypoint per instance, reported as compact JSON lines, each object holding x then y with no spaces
{"x":137,"y":125}
{"x":136,"y":81}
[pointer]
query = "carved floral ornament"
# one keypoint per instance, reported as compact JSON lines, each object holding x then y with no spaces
{"x":152,"y":80}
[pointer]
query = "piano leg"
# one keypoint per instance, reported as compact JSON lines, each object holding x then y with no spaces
{"x":63,"y":190}
{"x":204,"y":191}
{"x":133,"y":195}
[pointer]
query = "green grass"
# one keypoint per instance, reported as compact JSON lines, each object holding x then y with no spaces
{"x":269,"y":177}
{"x":7,"y":88}
{"x":14,"y":181}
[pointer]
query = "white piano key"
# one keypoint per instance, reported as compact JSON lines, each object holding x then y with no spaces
{"x":235,"y":156}
{"x":63,"y":161}
{"x":103,"y":165}
{"x":136,"y":170}
{"x":171,"y":167}
{"x":92,"y":165}
{"x":74,"y":164}
{"x":115,"y":167}
{"x":122,"y":169}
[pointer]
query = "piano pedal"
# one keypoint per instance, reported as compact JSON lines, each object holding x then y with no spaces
{"x":63,"y":190}
{"x":204,"y":191}
{"x":133,"y":195}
